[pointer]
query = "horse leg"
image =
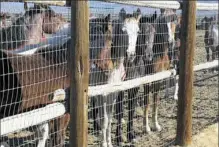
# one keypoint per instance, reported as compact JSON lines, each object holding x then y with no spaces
{"x":213,"y":50}
{"x":155,"y":126}
{"x":105,"y":125}
{"x":176,"y":88}
{"x":43,"y":134}
{"x":119,"y":115}
{"x":207,"y":53}
{"x":167,"y":88}
{"x":131,"y":109}
{"x":95,"y":116}
{"x":146,"y":126}
{"x":217,"y":51}
{"x":109,"y":139}
{"x":58,"y":129}
{"x":110,"y":117}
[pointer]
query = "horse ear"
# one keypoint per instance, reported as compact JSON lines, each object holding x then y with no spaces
{"x":122,"y":14}
{"x":108,"y":18}
{"x":25,"y":6}
{"x":137,"y":14}
{"x":138,"y":11}
{"x":174,"y":18}
{"x":138,"y":17}
{"x":162,"y":11}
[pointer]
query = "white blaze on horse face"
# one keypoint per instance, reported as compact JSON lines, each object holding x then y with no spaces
{"x":170,"y":34}
{"x":132,"y":28}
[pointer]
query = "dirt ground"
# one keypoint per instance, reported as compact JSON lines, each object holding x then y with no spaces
{"x":206,"y":138}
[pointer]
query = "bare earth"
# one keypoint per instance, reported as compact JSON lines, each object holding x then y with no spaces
{"x":207,"y":138}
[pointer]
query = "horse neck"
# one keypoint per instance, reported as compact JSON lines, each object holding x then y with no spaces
{"x":160,"y":49}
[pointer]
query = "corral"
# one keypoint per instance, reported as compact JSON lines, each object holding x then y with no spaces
{"x":121,"y":62}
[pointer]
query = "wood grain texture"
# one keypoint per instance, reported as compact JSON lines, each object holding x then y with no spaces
{"x":79,"y":68}
{"x":188,"y":41}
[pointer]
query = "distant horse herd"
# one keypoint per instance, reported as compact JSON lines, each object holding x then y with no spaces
{"x":121,"y":49}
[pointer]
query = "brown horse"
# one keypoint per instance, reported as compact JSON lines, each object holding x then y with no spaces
{"x":30,"y":80}
{"x":161,"y":62}
{"x":25,"y":79}
{"x":53,"y":22}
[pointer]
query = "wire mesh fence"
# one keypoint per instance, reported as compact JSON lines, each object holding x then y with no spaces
{"x":127,"y":43}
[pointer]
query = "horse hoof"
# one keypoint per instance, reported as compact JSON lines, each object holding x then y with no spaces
{"x":110,"y":145}
{"x":104,"y":144}
{"x":131,"y":137}
{"x":123,"y":121}
{"x":147,"y":130}
{"x":156,"y":128}
{"x":175,"y":97}
{"x":165,"y":96}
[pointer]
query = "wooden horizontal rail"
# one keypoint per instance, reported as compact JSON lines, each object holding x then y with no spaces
{"x":206,"y":65}
{"x":24,"y":120}
{"x":125,"y":85}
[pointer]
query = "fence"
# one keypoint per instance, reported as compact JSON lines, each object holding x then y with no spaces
{"x":107,"y":53}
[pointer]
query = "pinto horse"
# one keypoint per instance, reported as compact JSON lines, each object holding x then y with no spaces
{"x":125,"y":31}
{"x":160,"y":63}
{"x":134,"y":69}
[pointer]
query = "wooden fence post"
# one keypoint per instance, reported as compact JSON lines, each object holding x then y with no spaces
{"x":79,"y":68}
{"x":188,"y":42}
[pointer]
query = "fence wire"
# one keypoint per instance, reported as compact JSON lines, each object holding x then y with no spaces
{"x":30,"y":75}
{"x":126,"y":42}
